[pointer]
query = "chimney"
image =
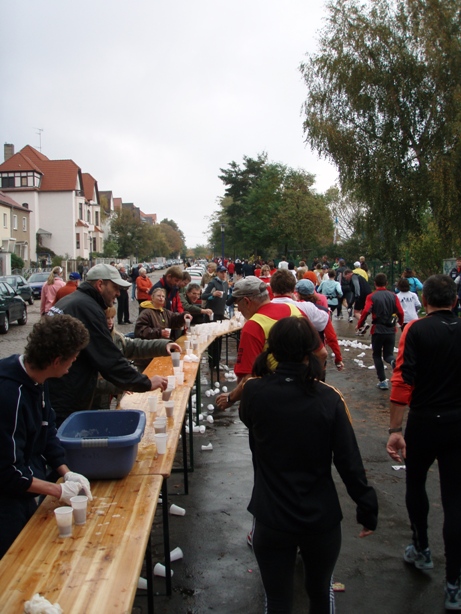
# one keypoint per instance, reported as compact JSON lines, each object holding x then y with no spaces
{"x":8,"y":151}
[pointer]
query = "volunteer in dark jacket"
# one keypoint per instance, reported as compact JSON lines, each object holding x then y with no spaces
{"x":215,"y":295}
{"x":298,"y":426}
{"x":28,"y":440}
{"x":74,"y":391}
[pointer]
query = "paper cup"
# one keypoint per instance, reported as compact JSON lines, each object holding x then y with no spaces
{"x":169,"y":408}
{"x":160,"y":427}
{"x":166,"y":394}
{"x":168,"y":330}
{"x":187,"y":344}
{"x":160,"y":440}
{"x":175,"y":510}
{"x":64,"y":520}
{"x":189,"y":351}
{"x":176,"y":554}
{"x":176,"y":371}
{"x":171,"y":381}
{"x":176,"y":357}
{"x":160,"y":570}
{"x":142,"y":583}
{"x":152,"y":401}
{"x":181,"y":365}
{"x":180,"y":378}
{"x":79,"y":505}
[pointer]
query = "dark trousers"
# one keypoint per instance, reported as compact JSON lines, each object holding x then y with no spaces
{"x":275,"y":552}
{"x":14,"y":515}
{"x":383,"y":347}
{"x":427,"y":439}
{"x":214,"y":353}
{"x":123,"y":309}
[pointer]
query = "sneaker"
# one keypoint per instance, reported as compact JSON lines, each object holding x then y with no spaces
{"x":452,"y":597}
{"x":351,"y":319}
{"x":363,"y":329}
{"x":421,"y":560}
{"x":383,"y":386}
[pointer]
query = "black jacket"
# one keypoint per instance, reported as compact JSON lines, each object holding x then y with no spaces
{"x":295,"y":435}
{"x":74,"y":391}
{"x":216,"y":304}
{"x":28,"y":437}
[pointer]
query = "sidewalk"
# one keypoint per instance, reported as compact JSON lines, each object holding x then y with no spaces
{"x":219,"y":573}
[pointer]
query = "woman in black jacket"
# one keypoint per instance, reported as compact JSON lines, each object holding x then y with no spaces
{"x":298,"y":425}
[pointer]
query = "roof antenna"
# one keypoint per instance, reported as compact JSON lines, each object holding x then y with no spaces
{"x":40,"y":130}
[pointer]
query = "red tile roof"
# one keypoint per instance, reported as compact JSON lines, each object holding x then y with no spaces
{"x":89,"y":186}
{"x":57,"y":175}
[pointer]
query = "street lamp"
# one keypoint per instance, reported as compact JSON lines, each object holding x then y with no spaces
{"x":223,"y":227}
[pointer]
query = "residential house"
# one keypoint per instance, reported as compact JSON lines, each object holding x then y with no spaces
{"x":14,"y":227}
{"x":63,"y":203}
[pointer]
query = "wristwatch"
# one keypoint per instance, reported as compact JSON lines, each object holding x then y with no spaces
{"x":398,"y":430}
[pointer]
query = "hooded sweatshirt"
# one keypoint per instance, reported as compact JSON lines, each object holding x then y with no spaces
{"x":28,"y":437}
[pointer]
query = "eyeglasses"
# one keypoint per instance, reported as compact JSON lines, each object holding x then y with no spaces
{"x":237,"y":300}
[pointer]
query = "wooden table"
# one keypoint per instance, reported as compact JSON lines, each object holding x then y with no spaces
{"x":97,"y":569}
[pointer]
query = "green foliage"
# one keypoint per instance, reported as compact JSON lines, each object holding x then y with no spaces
{"x":130,"y":237}
{"x":384,"y":106}
{"x":16,"y":262}
{"x":268,"y":209}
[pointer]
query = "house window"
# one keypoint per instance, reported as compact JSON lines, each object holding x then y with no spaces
{"x":80,"y":211}
{"x":88,"y":216}
{"x":24,"y":224}
{"x":5,"y":220}
{"x":77,"y":240}
{"x":15,"y":222}
{"x":24,"y":182}
{"x":96,"y":218}
{"x":7,"y":182}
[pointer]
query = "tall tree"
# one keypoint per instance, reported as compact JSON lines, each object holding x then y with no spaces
{"x":384,"y":105}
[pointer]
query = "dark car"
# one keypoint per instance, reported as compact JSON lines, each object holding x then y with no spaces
{"x":18,"y":283}
{"x":36,"y":281}
{"x":12,"y":308}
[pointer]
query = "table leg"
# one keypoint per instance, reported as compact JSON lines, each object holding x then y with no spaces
{"x":166,"y":536}
{"x":150,"y":576}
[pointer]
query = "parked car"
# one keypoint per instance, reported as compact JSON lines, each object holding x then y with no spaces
{"x":12,"y":308}
{"x":36,"y":281}
{"x":19,"y":283}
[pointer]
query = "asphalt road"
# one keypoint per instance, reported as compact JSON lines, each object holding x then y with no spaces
{"x":219,"y":573}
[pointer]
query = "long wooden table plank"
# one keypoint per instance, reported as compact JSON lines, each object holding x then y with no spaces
{"x":97,"y":569}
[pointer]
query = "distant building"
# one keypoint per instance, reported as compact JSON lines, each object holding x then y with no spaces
{"x":63,"y":202}
{"x":14,"y":228}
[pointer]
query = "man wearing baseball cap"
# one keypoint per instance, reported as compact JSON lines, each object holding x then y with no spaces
{"x":252,"y":298}
{"x":74,"y":391}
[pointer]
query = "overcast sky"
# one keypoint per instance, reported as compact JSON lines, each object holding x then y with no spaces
{"x":153,"y":98}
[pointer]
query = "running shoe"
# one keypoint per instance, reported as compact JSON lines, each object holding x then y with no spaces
{"x":421,"y":560}
{"x":383,"y":385}
{"x":452,"y":597}
{"x":351,"y":319}
{"x":363,"y":329}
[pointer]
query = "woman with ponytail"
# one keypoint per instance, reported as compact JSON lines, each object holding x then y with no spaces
{"x":298,"y":426}
{"x":49,"y":289}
